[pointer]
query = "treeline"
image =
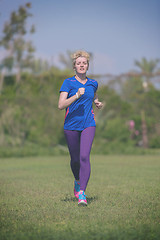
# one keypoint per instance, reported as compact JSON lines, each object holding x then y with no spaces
{"x":31,"y":124}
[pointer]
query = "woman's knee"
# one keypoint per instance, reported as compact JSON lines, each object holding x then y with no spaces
{"x":84,"y":157}
{"x":75,"y":159}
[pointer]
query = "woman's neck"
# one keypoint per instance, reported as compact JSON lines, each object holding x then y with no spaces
{"x":80,"y":77}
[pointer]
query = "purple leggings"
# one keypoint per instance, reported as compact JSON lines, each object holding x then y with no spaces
{"x":79,"y":144}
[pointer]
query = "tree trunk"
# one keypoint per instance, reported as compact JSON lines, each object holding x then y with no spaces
{"x":18,"y":76}
{"x":1,"y":82}
{"x":144,"y":130}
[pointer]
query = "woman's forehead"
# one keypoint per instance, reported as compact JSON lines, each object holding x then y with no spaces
{"x":81,"y":59}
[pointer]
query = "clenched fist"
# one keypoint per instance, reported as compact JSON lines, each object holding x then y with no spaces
{"x":98,"y":104}
{"x":80,"y":92}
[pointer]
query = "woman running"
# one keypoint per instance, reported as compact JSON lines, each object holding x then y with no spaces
{"x":76,"y":96}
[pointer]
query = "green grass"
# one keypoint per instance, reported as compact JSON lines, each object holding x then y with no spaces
{"x":37,"y":202}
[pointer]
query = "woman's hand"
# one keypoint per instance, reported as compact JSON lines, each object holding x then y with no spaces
{"x":80,"y":92}
{"x":98,"y":104}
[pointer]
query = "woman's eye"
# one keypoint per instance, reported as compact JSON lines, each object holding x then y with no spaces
{"x":85,"y":63}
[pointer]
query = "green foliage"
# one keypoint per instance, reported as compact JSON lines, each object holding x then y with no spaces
{"x":30,"y":122}
{"x":155,"y":142}
{"x":117,"y":130}
{"x":132,"y":90}
{"x":19,"y":51}
{"x":114,"y":105}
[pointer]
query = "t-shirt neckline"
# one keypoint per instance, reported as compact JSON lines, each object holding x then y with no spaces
{"x":79,"y":81}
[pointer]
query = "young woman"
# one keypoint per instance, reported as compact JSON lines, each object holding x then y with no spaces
{"x":76,"y":96}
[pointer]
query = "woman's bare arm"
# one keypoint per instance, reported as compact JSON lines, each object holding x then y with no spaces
{"x":65,"y":102}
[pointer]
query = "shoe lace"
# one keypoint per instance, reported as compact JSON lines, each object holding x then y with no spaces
{"x":82,"y":196}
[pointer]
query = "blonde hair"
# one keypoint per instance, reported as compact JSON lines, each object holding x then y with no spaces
{"x":79,"y":53}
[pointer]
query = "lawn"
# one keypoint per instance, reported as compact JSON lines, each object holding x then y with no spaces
{"x":37,"y":202}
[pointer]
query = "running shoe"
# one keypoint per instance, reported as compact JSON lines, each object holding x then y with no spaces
{"x":76,"y":188}
{"x":82,"y":199}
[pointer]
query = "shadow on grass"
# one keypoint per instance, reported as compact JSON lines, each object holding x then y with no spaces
{"x":74,"y":199}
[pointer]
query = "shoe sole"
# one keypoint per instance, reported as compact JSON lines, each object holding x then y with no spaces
{"x":82,"y":203}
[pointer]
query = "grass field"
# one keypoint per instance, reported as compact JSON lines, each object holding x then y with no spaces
{"x":37,"y":202}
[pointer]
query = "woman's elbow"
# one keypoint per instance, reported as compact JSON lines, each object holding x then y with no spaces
{"x":60,"y":107}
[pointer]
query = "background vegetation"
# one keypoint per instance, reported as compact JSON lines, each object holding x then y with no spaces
{"x":31,"y":124}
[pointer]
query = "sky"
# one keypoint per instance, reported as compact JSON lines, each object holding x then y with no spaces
{"x":116,"y":32}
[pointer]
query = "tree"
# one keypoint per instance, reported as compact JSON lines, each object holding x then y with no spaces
{"x":147,"y":69}
{"x":19,"y":52}
{"x":147,"y":66}
{"x":66,"y":60}
{"x":1,"y":77}
{"x":39,"y":66}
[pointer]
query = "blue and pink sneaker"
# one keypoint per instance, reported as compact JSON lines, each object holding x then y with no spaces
{"x":76,"y":188}
{"x":82,"y":199}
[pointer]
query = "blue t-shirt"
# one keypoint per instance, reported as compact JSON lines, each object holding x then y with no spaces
{"x":79,"y":115}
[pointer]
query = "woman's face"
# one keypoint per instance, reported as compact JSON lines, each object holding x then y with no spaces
{"x":81,"y":65}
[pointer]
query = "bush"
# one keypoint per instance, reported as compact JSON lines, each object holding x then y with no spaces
{"x":155,"y":142}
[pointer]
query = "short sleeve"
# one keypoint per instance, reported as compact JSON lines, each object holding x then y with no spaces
{"x":95,"y":86}
{"x":65,"y":86}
